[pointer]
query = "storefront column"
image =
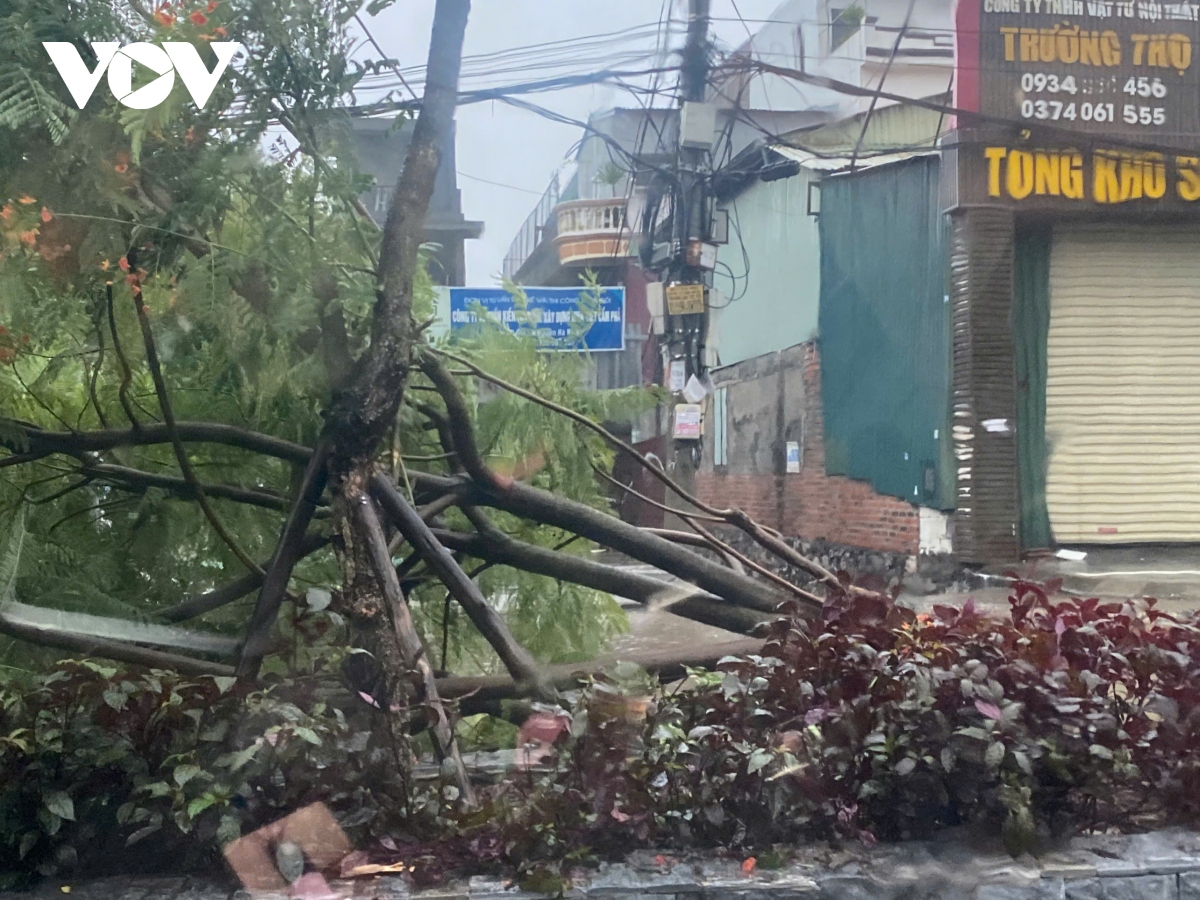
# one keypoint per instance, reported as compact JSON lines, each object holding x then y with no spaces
{"x":985,"y":410}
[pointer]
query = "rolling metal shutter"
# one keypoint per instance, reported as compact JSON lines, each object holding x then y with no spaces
{"x":1123,"y":385}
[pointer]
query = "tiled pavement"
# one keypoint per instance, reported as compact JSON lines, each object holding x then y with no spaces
{"x":1160,"y":866}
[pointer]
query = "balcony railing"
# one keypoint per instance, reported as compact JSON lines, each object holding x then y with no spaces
{"x":592,"y":230}
{"x":580,"y":217}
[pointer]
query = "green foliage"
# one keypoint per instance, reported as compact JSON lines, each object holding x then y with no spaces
{"x":10,"y":557}
{"x":24,"y":103}
{"x":32,"y":100}
{"x":250,"y":264}
{"x":100,"y":759}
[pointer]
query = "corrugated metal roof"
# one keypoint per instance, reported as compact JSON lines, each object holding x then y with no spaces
{"x":841,"y":163}
{"x":890,"y":128}
{"x":892,"y":134}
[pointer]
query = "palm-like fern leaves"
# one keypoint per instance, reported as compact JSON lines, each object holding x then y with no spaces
{"x":25,"y":103}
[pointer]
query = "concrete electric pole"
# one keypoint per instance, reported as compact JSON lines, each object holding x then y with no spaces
{"x":688,"y":273}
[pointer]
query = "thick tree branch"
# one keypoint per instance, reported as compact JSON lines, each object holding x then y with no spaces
{"x":86,"y":645}
{"x":608,"y":531}
{"x":716,"y":612}
{"x":680,"y":599}
{"x":500,"y":549}
{"x":459,"y":425}
{"x":367,"y":527}
{"x":210,"y":600}
{"x":529,"y":502}
{"x":287,"y":554}
{"x":442,"y":427}
{"x":479,"y":693}
{"x":139,"y":480}
{"x":428,"y":513}
{"x":43,"y":443}
{"x":586,"y":422}
{"x":520,"y":664}
{"x":19,"y":459}
{"x":766,"y":538}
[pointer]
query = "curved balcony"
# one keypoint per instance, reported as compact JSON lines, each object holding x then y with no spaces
{"x":591,"y":231}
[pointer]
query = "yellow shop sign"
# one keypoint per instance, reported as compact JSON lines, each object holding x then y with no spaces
{"x":1100,"y":176}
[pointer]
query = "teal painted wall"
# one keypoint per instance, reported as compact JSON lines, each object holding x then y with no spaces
{"x":885,"y":332}
{"x":780,"y":292}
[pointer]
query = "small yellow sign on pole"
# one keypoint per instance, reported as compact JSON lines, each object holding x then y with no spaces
{"x":684,"y":299}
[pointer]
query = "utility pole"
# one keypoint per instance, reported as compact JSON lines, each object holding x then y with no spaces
{"x":687,"y":276}
{"x":694,"y":77}
{"x":693,"y":159}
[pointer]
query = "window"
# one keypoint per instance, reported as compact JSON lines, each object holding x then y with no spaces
{"x":720,"y":428}
{"x":844,"y":23}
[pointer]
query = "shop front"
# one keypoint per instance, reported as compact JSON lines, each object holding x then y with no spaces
{"x":1074,"y":197}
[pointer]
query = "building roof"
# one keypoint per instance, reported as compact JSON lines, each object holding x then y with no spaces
{"x":842,"y":162}
{"x":892,"y":134}
{"x":382,"y":146}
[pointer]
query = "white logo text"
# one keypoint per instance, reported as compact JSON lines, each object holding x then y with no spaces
{"x":165,"y":61}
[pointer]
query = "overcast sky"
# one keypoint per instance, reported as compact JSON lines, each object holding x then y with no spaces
{"x":515,"y":148}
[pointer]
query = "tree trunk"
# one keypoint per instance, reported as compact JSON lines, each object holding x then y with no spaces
{"x":364,"y":412}
{"x":377,"y":611}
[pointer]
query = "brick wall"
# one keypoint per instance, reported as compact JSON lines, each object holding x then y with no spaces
{"x":811,"y":504}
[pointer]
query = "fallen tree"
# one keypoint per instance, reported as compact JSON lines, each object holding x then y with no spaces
{"x":313,"y":324}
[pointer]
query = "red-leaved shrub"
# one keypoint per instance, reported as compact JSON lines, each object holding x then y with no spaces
{"x":879,"y":723}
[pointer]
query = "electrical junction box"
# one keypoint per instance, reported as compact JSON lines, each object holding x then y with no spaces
{"x":702,"y":255}
{"x":655,"y":306}
{"x":697,"y":125}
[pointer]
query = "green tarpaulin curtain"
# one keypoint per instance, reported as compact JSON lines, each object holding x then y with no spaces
{"x":885,"y":332}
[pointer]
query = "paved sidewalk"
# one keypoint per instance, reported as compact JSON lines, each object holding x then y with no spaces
{"x":1158,"y":866}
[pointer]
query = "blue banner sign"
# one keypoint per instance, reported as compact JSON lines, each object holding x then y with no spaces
{"x":558,"y":311}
